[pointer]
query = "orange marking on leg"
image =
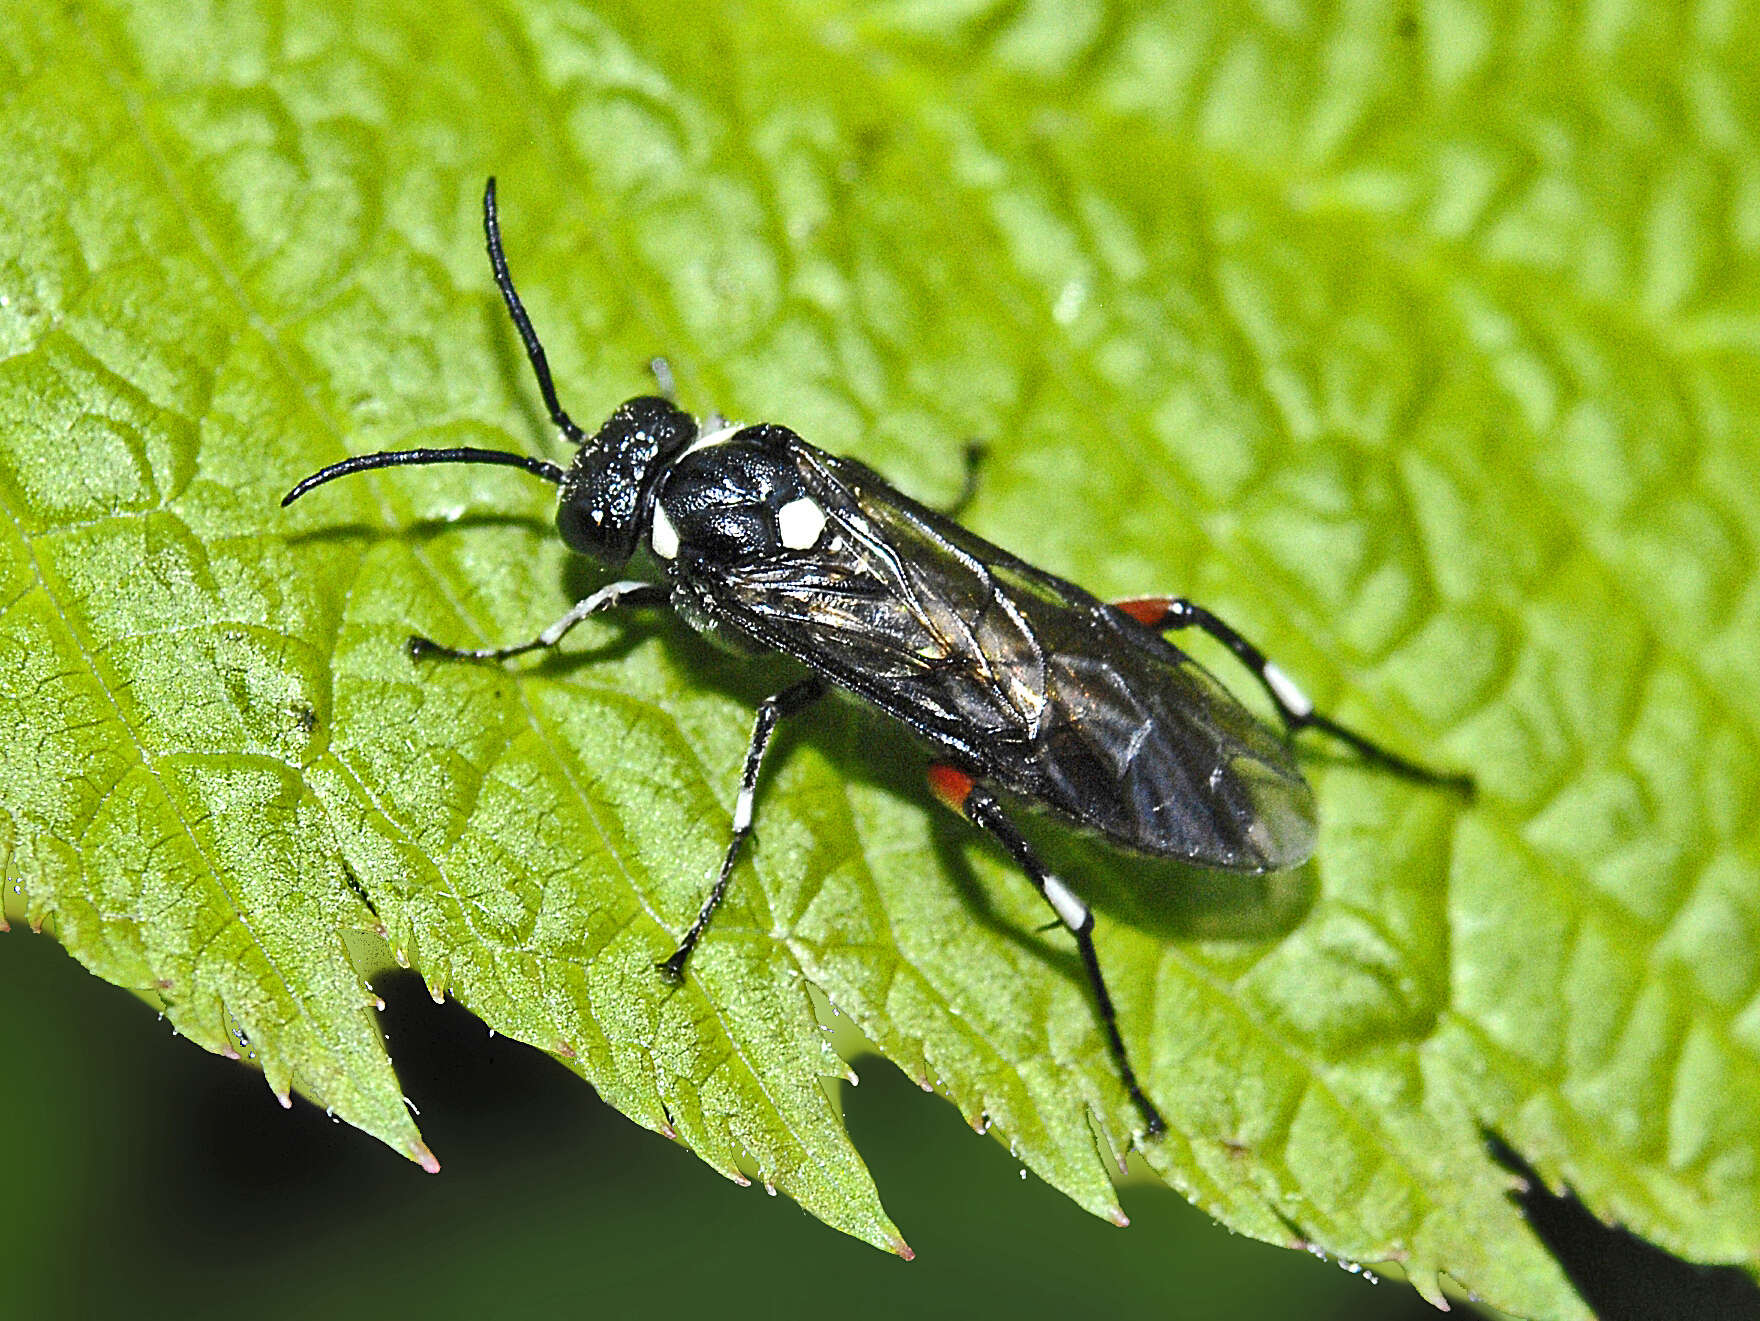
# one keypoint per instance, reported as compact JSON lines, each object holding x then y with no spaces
{"x":952,"y":787}
{"x":1149,"y":611}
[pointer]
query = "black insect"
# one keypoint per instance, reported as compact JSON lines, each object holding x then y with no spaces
{"x":1017,"y":680}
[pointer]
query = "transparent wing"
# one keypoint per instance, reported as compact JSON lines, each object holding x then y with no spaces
{"x":1022,"y":677}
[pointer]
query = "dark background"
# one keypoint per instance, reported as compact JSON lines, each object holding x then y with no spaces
{"x":144,"y":1177}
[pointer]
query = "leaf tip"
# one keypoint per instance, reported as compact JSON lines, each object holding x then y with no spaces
{"x":1117,"y":1216}
{"x":901,"y":1249}
{"x":419,"y":1153}
{"x":1429,"y":1288}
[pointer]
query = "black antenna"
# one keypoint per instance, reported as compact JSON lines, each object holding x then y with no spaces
{"x":398,"y":458}
{"x":522,"y":322}
{"x":540,"y":368}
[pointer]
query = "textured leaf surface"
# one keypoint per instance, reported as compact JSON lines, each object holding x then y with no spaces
{"x":1422,"y":347}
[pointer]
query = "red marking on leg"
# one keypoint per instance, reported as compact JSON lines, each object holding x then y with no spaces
{"x":950,"y":786}
{"x":1149,"y":611}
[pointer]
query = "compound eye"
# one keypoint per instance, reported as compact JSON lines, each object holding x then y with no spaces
{"x":799,"y":523}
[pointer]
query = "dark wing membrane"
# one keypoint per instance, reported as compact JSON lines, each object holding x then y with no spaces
{"x":1023,"y":677}
{"x":1164,"y":759}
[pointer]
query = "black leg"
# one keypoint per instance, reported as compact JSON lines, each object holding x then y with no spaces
{"x":523,"y":323}
{"x":770,"y":710}
{"x":973,"y":460}
{"x":1166,"y":613}
{"x":614,"y":594}
{"x":978,"y":805}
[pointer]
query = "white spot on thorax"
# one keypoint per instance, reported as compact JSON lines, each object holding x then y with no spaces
{"x":720,"y":435}
{"x":799,"y":523}
{"x":664,"y":537}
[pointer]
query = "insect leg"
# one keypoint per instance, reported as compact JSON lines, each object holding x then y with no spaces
{"x":522,"y":322}
{"x":613,"y":594}
{"x":785,"y":703}
{"x":667,"y":384}
{"x":972,"y":458}
{"x":979,"y":806}
{"x":1168,"y":613}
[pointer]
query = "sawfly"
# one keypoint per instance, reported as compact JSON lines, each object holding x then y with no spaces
{"x":1019,"y":682}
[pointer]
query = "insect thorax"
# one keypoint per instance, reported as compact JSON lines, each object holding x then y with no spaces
{"x":736,"y":502}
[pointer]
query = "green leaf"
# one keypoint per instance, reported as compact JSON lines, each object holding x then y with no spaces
{"x":1422,"y":346}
